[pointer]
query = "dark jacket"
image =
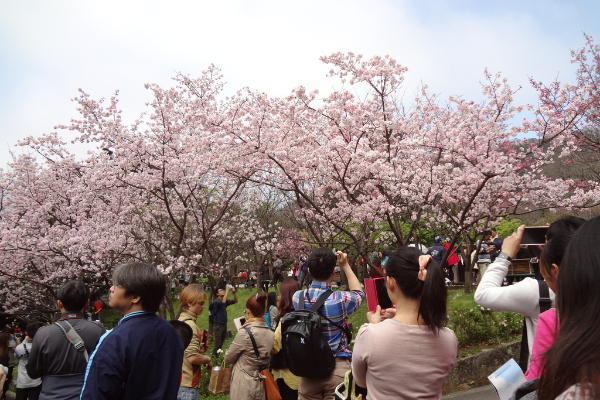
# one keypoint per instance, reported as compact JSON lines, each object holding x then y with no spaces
{"x":140,"y":358}
{"x":54,"y":358}
{"x":526,"y":391}
{"x":219,"y":311}
{"x":437,"y":252}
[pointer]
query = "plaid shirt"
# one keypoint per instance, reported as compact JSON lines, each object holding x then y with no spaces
{"x":337,"y":308}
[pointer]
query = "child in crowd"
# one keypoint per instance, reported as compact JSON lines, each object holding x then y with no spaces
{"x":183,"y":330}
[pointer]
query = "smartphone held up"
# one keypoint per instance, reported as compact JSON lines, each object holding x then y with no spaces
{"x":377,"y":294}
{"x":534,"y":235}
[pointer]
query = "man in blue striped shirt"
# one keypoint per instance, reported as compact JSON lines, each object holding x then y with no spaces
{"x":337,"y":307}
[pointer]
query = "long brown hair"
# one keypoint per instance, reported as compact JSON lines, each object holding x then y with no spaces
{"x":575,"y":355}
{"x":287,"y":290}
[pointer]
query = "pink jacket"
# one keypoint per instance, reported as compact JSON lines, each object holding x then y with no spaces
{"x":545,"y":334}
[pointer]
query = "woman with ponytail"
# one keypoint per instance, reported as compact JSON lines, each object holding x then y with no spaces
{"x":246,"y":381}
{"x":407,"y":355}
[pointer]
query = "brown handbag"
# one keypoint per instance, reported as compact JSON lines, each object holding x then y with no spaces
{"x":271,"y":388}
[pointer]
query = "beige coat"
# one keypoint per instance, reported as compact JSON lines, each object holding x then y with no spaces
{"x":246,"y":381}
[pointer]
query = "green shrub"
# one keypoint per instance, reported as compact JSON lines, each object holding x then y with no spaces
{"x":474,"y":324}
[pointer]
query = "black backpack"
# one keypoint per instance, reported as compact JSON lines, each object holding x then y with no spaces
{"x":306,"y":351}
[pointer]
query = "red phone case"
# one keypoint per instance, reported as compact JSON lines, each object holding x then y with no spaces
{"x":372,"y":300}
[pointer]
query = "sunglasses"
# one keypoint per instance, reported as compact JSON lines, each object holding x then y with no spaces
{"x":201,"y":302}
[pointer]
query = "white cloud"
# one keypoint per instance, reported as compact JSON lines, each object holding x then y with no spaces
{"x":50,"y":49}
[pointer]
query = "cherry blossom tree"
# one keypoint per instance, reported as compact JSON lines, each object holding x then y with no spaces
{"x":189,"y":185}
{"x":159,"y":184}
{"x":57,"y":223}
{"x":351,"y":162}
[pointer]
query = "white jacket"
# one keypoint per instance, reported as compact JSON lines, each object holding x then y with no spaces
{"x":522,"y":297}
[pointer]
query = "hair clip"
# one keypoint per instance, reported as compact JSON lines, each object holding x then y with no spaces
{"x":423,"y":261}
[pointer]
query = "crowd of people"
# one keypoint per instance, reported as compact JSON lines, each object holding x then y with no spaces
{"x":454,"y":271}
{"x":403,"y":352}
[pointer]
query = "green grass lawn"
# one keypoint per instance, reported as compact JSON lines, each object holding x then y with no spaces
{"x":476,"y":327}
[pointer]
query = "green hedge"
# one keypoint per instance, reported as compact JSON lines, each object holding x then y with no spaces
{"x":476,"y":325}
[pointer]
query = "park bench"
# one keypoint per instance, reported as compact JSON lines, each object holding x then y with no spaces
{"x":237,"y":281}
{"x":520,"y":268}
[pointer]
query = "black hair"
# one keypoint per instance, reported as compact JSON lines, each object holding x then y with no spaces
{"x":74,"y":295}
{"x":575,"y":355}
{"x":144,"y":280}
{"x":377,"y":262}
{"x":184,"y":331}
{"x":271,"y":299}
{"x":486,"y":232}
{"x":403,"y":266}
{"x":321,"y":263}
{"x":31,"y":329}
{"x":554,"y":251}
{"x":565,"y":225}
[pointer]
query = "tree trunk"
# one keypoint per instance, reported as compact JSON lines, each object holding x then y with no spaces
{"x":364,"y":272}
{"x":169,"y":304}
{"x":258,"y":283}
{"x":468,"y":279}
{"x":467,"y":260}
{"x":162,"y":309}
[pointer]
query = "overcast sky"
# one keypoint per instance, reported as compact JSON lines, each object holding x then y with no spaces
{"x":49,"y":49}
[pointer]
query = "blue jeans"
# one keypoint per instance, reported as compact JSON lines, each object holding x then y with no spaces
{"x":301,"y":277}
{"x":186,"y":393}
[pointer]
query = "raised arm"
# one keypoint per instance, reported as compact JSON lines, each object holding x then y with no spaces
{"x":521,"y":297}
{"x":353,"y":282}
{"x":235,"y":298}
{"x":224,"y":300}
